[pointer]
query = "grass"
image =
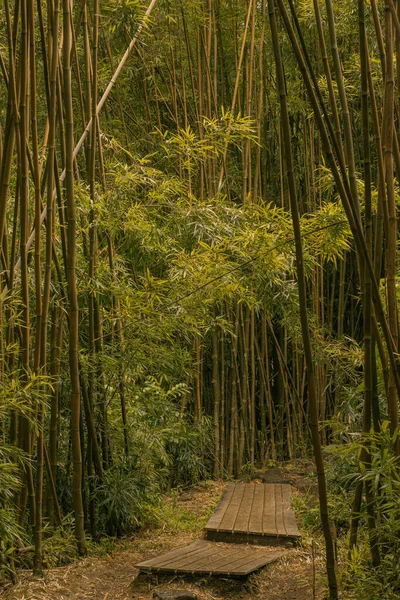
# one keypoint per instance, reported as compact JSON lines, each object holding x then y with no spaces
{"x":177,"y":513}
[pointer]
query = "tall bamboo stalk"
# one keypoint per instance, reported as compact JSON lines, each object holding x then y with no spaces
{"x":312,"y":400}
{"x":73,"y":309}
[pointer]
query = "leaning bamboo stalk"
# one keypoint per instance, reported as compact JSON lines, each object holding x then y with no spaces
{"x":379,"y":35}
{"x":348,"y":146}
{"x":11,"y":127}
{"x":378,"y":247}
{"x":387,"y":142}
{"x":302,"y":293}
{"x":327,"y":70}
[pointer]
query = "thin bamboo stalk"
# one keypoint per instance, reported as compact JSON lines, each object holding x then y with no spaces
{"x":330,"y":556}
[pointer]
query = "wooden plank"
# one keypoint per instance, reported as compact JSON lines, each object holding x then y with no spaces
{"x":179,"y":561}
{"x":280,"y":525}
{"x":256,"y":563}
{"x":245,"y":558}
{"x":225,"y":557}
{"x":218,"y":514}
{"x":244,"y":563}
{"x":269,"y":512}
{"x":256,"y":517}
{"x":241,"y":524}
{"x":173,"y":554}
{"x":208,"y":553}
{"x":228,"y":521}
{"x":249,"y":561}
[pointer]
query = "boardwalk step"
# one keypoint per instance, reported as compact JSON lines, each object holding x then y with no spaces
{"x":204,"y":558}
{"x":256,"y":513}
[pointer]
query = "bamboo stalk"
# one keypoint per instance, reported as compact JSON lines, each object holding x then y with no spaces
{"x":330,"y":556}
{"x":73,"y":309}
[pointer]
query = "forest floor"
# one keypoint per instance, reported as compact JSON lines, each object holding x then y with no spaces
{"x":297,"y":576}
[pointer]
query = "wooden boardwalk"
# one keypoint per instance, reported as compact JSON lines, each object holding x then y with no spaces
{"x":248,"y":513}
{"x":204,"y":558}
{"x":254,"y":513}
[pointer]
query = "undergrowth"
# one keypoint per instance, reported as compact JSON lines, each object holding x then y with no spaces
{"x":358,"y":578}
{"x":173,"y":516}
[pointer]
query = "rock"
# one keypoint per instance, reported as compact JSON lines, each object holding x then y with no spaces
{"x":174,"y":595}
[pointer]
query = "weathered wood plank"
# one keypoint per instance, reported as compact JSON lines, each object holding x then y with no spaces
{"x":173,"y":554}
{"x":208,"y":554}
{"x":280,"y":525}
{"x":256,"y":517}
{"x":229,"y":519}
{"x":255,"y":510}
{"x":256,"y":563}
{"x":241,"y":524}
{"x":224,"y":558}
{"x":219,"y":512}
{"x":242,"y":563}
{"x":210,"y":559}
{"x":269,"y":513}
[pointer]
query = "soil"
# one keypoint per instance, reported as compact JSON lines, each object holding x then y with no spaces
{"x":115,"y":577}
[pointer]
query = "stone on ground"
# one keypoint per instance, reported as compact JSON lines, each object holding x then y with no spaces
{"x":174,"y":595}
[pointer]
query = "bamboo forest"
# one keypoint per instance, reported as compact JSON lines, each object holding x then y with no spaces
{"x":199,"y":298}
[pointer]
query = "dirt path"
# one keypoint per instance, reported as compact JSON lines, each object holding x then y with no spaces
{"x":115,"y":577}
